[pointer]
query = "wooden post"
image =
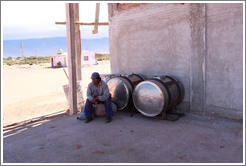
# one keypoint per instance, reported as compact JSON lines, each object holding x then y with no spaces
{"x":22,"y":51}
{"x":77,"y":42}
{"x":65,"y":61}
{"x":71,"y":58}
{"x":96,"y":19}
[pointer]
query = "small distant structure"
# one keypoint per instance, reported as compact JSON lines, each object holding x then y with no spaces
{"x":99,"y":55}
{"x":59,"y":52}
{"x":60,"y":60}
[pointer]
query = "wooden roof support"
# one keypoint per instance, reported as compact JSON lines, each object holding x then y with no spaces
{"x":74,"y":49}
{"x":70,"y":26}
{"x":77,"y":42}
{"x":81,"y":23}
{"x":96,"y":19}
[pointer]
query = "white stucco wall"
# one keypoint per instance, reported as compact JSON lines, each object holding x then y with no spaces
{"x":91,"y":58}
{"x":57,"y":59}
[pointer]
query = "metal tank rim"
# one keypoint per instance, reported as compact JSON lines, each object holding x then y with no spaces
{"x":139,"y":75}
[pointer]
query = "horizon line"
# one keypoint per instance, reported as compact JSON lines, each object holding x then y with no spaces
{"x":52,"y":37}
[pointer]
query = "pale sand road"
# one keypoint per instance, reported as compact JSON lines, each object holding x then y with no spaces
{"x":33,"y":91}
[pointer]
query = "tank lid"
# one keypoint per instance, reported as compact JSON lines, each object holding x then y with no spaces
{"x":149,"y":98}
{"x":120,"y":91}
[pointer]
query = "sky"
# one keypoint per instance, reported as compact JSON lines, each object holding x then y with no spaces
{"x":30,"y":19}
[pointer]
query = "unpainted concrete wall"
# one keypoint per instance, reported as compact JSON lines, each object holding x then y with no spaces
{"x":200,"y":44}
{"x":224,"y":59}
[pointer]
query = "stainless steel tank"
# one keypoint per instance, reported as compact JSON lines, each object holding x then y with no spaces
{"x":152,"y":97}
{"x":121,"y":88}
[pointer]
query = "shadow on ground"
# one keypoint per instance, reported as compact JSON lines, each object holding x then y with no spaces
{"x":136,"y":139}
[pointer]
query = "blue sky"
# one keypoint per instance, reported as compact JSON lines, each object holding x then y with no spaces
{"x":30,"y":19}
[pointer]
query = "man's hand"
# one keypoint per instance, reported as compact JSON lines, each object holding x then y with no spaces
{"x":95,"y":100}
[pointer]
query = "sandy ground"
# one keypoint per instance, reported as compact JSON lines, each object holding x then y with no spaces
{"x":33,"y":91}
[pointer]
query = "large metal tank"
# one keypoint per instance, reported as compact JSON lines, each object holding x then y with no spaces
{"x":152,"y":97}
{"x":121,"y":88}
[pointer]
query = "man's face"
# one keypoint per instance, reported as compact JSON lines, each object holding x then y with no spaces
{"x":95,"y":81}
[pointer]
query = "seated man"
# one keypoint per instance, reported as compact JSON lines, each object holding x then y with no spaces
{"x":97,"y":92}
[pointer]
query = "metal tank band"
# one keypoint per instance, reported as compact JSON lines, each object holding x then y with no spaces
{"x":173,"y":88}
{"x":181,"y":88}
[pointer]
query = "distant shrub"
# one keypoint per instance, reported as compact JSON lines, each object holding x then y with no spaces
{"x":9,"y":58}
{"x":26,"y":60}
{"x":20,"y":62}
{"x":10,"y":63}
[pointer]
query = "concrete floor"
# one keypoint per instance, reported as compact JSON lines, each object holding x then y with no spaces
{"x":137,"y":139}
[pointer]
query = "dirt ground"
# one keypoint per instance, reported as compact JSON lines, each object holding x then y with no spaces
{"x":31,"y":91}
{"x":136,"y":139}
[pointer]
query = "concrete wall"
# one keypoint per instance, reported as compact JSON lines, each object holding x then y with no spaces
{"x":199,"y":44}
{"x":224,"y":59}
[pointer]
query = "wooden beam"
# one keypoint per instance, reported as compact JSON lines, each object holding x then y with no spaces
{"x":96,"y":18}
{"x":71,"y":58}
{"x":82,"y":23}
{"x":77,"y":42}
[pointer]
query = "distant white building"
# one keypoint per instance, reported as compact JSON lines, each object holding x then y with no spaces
{"x":60,"y":60}
{"x":88,"y":58}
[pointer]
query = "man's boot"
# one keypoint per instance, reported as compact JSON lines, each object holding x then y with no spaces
{"x":108,"y":119}
{"x":88,"y":119}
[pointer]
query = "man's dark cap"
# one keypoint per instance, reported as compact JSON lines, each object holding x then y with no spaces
{"x":95,"y":75}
